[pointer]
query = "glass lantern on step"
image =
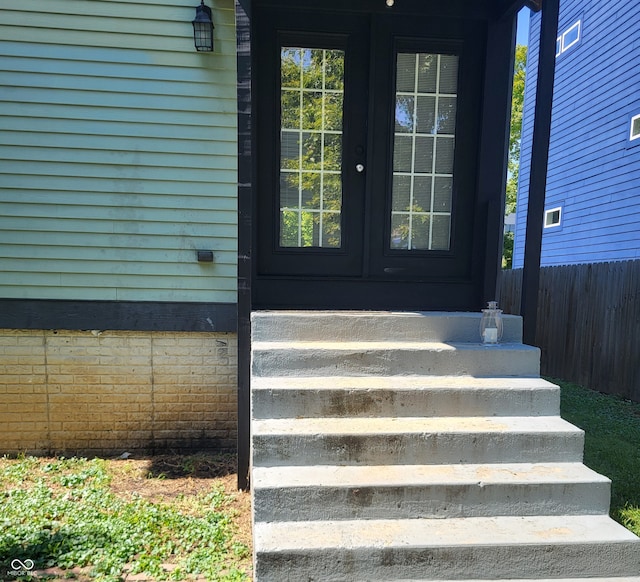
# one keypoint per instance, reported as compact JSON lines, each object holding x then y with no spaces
{"x":491,"y":324}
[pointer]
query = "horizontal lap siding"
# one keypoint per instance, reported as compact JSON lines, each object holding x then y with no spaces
{"x":117,"y":152}
{"x":594,"y":171}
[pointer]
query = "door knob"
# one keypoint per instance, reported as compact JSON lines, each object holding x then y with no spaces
{"x":359,"y":168}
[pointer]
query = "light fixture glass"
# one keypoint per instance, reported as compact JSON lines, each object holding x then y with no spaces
{"x":203,"y":28}
{"x":491,"y":324}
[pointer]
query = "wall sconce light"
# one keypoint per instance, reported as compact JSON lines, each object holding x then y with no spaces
{"x":203,"y":28}
{"x":204,"y":256}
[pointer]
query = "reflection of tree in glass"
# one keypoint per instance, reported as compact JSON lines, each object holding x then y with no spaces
{"x":311,"y":108}
{"x":417,"y":84}
{"x":404,"y":113}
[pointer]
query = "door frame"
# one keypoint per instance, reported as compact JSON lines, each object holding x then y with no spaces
{"x":460,"y":290}
{"x":500,"y":27}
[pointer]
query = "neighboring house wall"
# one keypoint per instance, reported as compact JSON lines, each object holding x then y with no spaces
{"x":594,"y":167}
{"x":118,"y":159}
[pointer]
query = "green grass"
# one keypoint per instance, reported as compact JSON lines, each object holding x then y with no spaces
{"x":612,"y":444}
{"x":62,"y":513}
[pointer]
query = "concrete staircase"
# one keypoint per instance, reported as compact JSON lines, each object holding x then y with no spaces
{"x":394,"y":446}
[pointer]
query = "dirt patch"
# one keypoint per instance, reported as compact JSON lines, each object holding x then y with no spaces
{"x":167,"y":479}
{"x":162,"y":478}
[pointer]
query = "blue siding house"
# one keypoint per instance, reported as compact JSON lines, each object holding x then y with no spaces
{"x":592,"y":208}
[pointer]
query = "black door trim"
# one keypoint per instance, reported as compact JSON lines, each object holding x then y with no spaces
{"x":370,"y":276}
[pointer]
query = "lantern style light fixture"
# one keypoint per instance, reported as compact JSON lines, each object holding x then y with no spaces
{"x":203,"y":28}
{"x":491,"y":324}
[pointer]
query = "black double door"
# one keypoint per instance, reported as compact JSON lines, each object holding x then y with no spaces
{"x":367,"y":144}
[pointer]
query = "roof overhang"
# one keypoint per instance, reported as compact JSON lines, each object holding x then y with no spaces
{"x":501,"y":7}
{"x":504,"y":7}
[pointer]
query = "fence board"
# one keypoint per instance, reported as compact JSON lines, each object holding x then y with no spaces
{"x":588,"y":325}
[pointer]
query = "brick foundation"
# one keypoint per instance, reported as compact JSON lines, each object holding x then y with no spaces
{"x":103,"y":393}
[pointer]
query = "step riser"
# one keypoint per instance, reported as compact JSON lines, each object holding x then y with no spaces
{"x":507,"y":562}
{"x":481,"y":362}
{"x":354,"y":326}
{"x":314,"y":403}
{"x":397,"y":447}
{"x":425,"y":501}
{"x":408,"y":449}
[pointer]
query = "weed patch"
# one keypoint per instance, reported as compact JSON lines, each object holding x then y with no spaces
{"x":64,"y":513}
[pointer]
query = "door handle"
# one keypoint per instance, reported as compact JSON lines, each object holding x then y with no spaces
{"x":359,"y":168}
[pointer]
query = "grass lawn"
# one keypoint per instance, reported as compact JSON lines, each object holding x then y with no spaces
{"x":162,"y":518}
{"x":612,"y":445}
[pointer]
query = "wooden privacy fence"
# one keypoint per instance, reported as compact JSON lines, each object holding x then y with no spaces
{"x":588,"y":323}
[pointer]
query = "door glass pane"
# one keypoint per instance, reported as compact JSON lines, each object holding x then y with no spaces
{"x":311,"y":102}
{"x":423,"y":151}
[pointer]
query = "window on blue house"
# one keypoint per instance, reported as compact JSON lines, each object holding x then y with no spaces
{"x":552,"y":217}
{"x":568,"y":38}
{"x":635,"y":127}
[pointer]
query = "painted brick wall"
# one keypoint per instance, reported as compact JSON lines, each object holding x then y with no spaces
{"x":103,"y":393}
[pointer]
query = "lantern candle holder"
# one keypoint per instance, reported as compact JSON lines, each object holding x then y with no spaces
{"x":491,"y":324}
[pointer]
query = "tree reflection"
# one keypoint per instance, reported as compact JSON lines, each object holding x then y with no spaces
{"x":311,"y":147}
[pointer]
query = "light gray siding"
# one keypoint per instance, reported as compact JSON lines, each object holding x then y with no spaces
{"x":117,"y":151}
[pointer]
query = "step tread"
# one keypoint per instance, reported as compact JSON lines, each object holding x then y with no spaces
{"x":451,"y":532}
{"x":345,"y":476}
{"x":399,"y":383}
{"x":367,"y":325}
{"x":347,"y":346}
{"x":590,"y":579}
{"x":424,"y":425}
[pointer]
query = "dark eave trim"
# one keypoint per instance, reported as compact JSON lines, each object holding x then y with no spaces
{"x":535,"y":5}
{"x":507,"y":8}
{"x":246,"y":7}
{"x":117,"y":315}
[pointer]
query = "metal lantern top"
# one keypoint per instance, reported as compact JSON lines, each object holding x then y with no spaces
{"x":203,"y":28}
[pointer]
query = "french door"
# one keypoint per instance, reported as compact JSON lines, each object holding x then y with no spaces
{"x":367,"y":141}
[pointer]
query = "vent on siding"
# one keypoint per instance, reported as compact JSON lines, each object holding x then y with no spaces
{"x":635,"y":127}
{"x":552,"y":217}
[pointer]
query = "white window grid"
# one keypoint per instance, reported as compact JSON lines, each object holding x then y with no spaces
{"x":413,"y":173}
{"x":300,"y":210}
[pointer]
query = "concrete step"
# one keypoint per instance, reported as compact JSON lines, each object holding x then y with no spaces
{"x":329,"y":358}
{"x":415,"y":441}
{"x":445,"y":549}
{"x":374,"y":326}
{"x":334,"y":396}
{"x":397,"y":447}
{"x":427,"y":491}
{"x":590,"y":579}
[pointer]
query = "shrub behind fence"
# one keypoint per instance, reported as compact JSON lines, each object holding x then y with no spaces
{"x":588,"y":323}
